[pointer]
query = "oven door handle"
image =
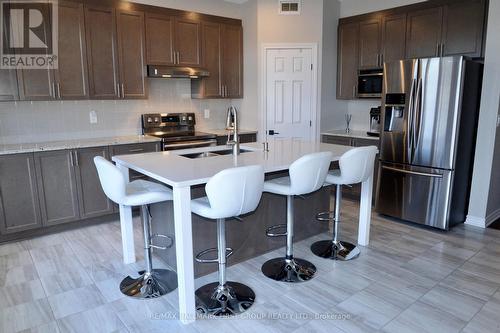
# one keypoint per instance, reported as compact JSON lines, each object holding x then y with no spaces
{"x":167,"y":146}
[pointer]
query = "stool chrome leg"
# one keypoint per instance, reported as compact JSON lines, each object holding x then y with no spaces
{"x":289,"y":269}
{"x":151,"y":283}
{"x":336,"y":249}
{"x":223,"y":298}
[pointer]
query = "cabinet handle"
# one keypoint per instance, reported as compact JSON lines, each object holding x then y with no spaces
{"x":354,"y":91}
{"x":442,"y":50}
{"x":378,"y":59}
{"x":178,"y":57}
{"x":173,"y":57}
{"x":118,"y":90}
{"x":136,"y":150}
{"x":437,"y":49}
{"x":123,"y":91}
{"x":381,"y":59}
{"x":53,"y":91}
{"x":58,"y":90}
{"x":76,"y":158}
{"x":71,"y":159}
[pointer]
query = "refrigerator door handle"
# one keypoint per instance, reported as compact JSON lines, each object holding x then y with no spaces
{"x":417,"y":123}
{"x":409,"y":123}
{"x":417,"y":173}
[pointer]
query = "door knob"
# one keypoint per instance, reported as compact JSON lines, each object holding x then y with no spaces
{"x":272,"y":132}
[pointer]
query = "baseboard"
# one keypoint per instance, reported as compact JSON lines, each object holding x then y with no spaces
{"x":475,"y":221}
{"x":492,"y":217}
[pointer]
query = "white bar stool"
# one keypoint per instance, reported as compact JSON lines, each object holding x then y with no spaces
{"x":151,"y":283}
{"x":356,"y":166}
{"x":307,"y":174}
{"x":230,"y":193}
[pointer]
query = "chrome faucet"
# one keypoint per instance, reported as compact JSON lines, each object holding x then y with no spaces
{"x":232,"y":126}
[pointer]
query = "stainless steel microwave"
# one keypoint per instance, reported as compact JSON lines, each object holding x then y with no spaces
{"x":370,"y":83}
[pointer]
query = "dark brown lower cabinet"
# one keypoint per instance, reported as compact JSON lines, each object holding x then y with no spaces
{"x":91,"y":198}
{"x":244,"y":138}
{"x":19,"y":206}
{"x":8,"y":85}
{"x":57,"y":190}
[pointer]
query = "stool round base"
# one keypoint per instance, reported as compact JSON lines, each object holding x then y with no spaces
{"x":335,"y":250}
{"x":289,"y":270}
{"x":230,"y":299}
{"x":160,"y":282}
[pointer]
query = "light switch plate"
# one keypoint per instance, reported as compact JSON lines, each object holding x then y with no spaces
{"x":93,"y":117}
{"x":206,"y":113}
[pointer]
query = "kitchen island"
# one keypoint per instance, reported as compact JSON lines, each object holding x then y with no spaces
{"x":187,"y":169}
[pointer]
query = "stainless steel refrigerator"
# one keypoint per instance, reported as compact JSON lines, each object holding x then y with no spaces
{"x":429,"y":118}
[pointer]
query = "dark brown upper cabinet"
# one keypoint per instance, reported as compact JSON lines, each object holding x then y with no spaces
{"x":423,"y":33}
{"x":347,"y":64}
{"x":211,"y":86}
{"x":393,"y":38}
{"x":222,"y":51}
{"x":369,"y":44}
{"x":71,"y":81}
{"x":159,"y":39}
{"x":187,"y":42}
{"x":9,"y":90}
{"x":173,"y":41}
{"x":463,"y":26}
{"x":232,"y":61}
{"x":131,"y":57}
{"x":102,"y":57}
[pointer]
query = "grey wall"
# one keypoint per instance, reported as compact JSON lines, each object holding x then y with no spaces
{"x":482,"y":185}
{"x":493,"y":208}
{"x":332,"y":109}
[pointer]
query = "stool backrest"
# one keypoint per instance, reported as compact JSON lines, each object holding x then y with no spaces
{"x":112,"y":180}
{"x":308,"y":173}
{"x":357,"y":164}
{"x":235,"y":191}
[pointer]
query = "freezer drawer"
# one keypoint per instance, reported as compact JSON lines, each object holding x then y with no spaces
{"x":415,"y":194}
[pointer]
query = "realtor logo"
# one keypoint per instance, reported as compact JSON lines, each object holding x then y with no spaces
{"x":29,"y":34}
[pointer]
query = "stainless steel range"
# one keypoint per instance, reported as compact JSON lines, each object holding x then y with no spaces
{"x":176,"y":130}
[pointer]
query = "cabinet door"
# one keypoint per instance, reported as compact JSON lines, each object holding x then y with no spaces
{"x":463,"y":26}
{"x":100,"y":27}
{"x":36,"y":84}
{"x":423,"y":33}
{"x":393,"y":38}
{"x":347,"y":66}
{"x":159,"y":39}
{"x":19,"y":206}
{"x":212,"y":61}
{"x":136,"y":148}
{"x":232,"y":61}
{"x":71,"y":74}
{"x":55,"y":172}
{"x":187,"y":42}
{"x":9,"y":90}
{"x":369,"y":43}
{"x":131,"y":45}
{"x":92,"y":200}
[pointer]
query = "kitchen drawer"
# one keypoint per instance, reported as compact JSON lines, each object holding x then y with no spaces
{"x":135,"y":148}
{"x":337,"y":140}
{"x":357,"y":142}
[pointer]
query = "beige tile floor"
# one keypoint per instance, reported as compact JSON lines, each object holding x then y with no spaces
{"x":409,"y":279}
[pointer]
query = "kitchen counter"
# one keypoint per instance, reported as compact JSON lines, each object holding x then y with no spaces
{"x":72,"y":144}
{"x":223,"y":132}
{"x":352,"y":134}
{"x":186,"y":174}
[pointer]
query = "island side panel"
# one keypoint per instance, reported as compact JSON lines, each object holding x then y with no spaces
{"x":247,"y":238}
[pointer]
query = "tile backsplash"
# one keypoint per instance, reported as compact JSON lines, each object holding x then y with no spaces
{"x":27,"y":122}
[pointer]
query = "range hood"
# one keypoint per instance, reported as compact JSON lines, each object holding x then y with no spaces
{"x":176,"y":72}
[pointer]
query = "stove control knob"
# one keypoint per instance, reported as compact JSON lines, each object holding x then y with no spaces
{"x":149,"y":120}
{"x":190,"y":118}
{"x":157,"y":120}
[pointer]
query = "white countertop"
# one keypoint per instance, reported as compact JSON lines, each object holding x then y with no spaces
{"x":72,"y":144}
{"x":171,"y":168}
{"x":223,"y":131}
{"x":352,"y":134}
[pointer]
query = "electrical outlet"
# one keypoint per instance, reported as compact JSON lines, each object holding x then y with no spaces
{"x":93,"y":117}
{"x":207,"y":113}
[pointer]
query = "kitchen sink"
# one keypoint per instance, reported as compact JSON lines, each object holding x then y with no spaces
{"x":213,"y":153}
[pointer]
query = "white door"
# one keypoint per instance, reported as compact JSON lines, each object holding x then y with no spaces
{"x":289,"y":89}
